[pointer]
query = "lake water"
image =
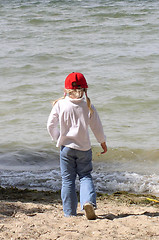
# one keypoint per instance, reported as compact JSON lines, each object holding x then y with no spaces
{"x":115,"y":45}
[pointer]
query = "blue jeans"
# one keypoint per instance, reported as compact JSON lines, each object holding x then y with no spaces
{"x":75,"y":162}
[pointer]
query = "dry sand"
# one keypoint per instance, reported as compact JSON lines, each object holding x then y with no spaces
{"x":120,"y":216}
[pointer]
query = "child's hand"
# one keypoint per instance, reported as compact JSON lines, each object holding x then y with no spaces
{"x":104,"y":146}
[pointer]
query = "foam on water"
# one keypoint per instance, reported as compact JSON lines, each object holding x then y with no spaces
{"x":106,"y":182}
{"x":127,"y":181}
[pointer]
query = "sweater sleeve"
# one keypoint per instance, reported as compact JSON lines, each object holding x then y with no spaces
{"x":96,"y":126}
{"x":52,"y":124}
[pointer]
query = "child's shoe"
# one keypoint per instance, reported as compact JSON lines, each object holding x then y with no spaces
{"x":89,"y":211}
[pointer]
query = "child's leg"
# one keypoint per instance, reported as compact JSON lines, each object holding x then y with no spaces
{"x":68,"y":172}
{"x":84,"y":168}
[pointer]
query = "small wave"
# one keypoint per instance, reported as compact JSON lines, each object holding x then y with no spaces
{"x":39,"y":180}
{"x":105,"y":182}
{"x":23,"y":87}
{"x":24,"y":159}
{"x":37,"y":21}
{"x":126,"y":181}
{"x":122,"y":169}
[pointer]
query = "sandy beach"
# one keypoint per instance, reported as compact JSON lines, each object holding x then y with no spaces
{"x":39,"y":215}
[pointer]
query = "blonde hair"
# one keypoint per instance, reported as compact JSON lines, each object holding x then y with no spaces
{"x":88,"y":102}
{"x":77,"y":93}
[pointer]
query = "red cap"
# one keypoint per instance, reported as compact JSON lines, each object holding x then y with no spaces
{"x":75,"y":80}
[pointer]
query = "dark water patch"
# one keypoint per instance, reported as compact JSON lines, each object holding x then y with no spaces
{"x":24,"y":159}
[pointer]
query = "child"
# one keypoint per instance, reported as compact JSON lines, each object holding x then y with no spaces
{"x":73,"y":114}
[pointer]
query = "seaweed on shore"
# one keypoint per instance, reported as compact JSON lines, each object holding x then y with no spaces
{"x":131,"y":198}
{"x":27,"y":195}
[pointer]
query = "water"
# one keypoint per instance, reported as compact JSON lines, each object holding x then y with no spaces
{"x":115,"y":45}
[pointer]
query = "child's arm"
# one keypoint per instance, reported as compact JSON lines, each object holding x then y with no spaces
{"x":52,"y":124}
{"x":104,"y":146}
{"x":97,"y":129}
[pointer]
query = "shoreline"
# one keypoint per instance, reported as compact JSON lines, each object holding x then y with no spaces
{"x":33,"y":195}
{"x":32,"y":214}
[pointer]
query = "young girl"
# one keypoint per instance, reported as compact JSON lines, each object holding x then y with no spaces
{"x":73,"y":115}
